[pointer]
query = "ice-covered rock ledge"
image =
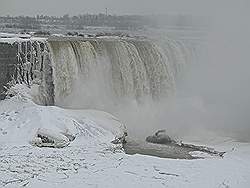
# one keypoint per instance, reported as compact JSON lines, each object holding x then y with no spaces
{"x":22,"y":122}
{"x":11,"y":38}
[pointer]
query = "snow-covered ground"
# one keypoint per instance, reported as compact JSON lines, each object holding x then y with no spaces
{"x":91,"y":160}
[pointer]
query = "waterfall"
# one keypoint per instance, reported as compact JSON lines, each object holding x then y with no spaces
{"x":103,"y":72}
{"x":132,"y":78}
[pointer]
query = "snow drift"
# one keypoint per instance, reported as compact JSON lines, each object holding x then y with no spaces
{"x":23,"y":121}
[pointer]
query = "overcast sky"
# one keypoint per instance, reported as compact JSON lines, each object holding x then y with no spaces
{"x":75,"y":7}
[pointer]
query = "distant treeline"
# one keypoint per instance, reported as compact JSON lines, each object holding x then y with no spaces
{"x":131,"y":22}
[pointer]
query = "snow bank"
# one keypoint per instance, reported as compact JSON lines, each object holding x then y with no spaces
{"x":22,"y":121}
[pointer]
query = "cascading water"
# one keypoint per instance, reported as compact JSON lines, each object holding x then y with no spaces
{"x":112,"y":71}
{"x":130,"y":78}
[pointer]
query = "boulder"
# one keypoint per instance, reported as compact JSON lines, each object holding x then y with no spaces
{"x":160,"y":137}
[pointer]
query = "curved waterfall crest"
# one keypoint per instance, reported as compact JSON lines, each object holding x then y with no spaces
{"x":116,"y":69}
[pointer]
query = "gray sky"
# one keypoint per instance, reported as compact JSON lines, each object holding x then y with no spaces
{"x":75,"y":7}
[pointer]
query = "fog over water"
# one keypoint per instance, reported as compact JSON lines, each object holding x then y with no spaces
{"x":221,"y":80}
{"x":214,"y":95}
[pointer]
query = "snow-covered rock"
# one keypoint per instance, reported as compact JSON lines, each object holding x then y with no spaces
{"x":46,"y":138}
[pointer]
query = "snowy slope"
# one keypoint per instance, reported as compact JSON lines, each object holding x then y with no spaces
{"x":21,"y":119}
{"x":91,"y":160}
